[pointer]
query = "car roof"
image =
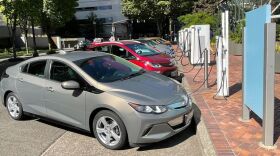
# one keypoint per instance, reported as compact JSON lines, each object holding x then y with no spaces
{"x":79,"y":55}
{"x":123,"y":42}
{"x":72,"y":56}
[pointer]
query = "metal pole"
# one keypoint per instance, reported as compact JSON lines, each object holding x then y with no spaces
{"x":206,"y":68}
{"x":269,"y":72}
{"x":245,"y":109}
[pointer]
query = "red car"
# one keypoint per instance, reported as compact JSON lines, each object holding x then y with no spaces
{"x":140,"y":55}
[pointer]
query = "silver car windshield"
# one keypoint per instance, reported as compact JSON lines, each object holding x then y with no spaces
{"x":109,"y":68}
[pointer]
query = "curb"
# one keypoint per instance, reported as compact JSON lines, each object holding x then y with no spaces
{"x":201,"y":130}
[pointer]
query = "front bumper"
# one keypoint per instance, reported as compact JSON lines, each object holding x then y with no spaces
{"x":154,"y":129}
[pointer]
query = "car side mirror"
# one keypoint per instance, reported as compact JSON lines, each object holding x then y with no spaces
{"x":70,"y":85}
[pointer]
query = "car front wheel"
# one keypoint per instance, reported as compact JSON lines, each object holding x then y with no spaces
{"x":14,"y":106}
{"x":109,"y":130}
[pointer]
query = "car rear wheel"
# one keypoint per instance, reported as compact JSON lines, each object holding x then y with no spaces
{"x":109,"y":130}
{"x":14,"y":106}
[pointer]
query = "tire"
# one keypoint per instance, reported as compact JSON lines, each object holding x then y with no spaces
{"x":14,"y":107}
{"x":113,"y":129}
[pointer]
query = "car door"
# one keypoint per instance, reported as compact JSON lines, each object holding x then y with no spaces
{"x":64,"y":105}
{"x":30,"y":86}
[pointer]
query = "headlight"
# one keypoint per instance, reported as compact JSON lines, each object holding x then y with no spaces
{"x":154,"y":65}
{"x":188,"y":100}
{"x":148,"y":109}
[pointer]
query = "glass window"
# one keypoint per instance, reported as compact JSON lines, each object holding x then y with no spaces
{"x":109,"y":68}
{"x":119,"y":51}
{"x":142,"y":49}
{"x":37,"y":68}
{"x":105,"y":49}
{"x":24,"y":68}
{"x":61,"y":72}
{"x":105,"y":7}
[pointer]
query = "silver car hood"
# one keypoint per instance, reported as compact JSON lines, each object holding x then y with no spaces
{"x":147,"y":89}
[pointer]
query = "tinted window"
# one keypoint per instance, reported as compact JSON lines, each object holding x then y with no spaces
{"x":109,"y":68}
{"x":121,"y":52}
{"x":61,"y":72}
{"x":24,"y":68}
{"x":37,"y":68}
{"x":142,"y":49}
{"x":105,"y":49}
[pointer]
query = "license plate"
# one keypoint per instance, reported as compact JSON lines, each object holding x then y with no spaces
{"x":174,"y":73}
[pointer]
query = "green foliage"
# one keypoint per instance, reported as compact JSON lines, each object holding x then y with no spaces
{"x":277,"y":47}
{"x":237,"y":35}
{"x":155,"y":10}
{"x":207,"y":6}
{"x":198,"y":18}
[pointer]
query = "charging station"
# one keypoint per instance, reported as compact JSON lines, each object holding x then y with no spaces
{"x":200,"y":43}
{"x":187,"y":41}
{"x":222,"y":57}
{"x":181,"y":39}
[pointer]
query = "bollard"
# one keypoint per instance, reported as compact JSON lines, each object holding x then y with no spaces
{"x":206,"y":68}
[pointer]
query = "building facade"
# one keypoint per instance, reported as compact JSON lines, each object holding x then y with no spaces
{"x":106,"y":12}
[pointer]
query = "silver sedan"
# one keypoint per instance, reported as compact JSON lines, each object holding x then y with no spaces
{"x":114,"y":99}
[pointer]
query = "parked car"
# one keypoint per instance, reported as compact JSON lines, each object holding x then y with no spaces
{"x":159,"y":40}
{"x":158,"y":46}
{"x":101,"y":93}
{"x":139,"y":54}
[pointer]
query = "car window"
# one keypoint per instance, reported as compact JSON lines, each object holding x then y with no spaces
{"x":118,"y":51}
{"x":61,"y":72}
{"x":142,"y":49}
{"x":24,"y":68}
{"x":109,"y":68}
{"x":37,"y":68}
{"x":105,"y":49}
{"x":121,"y":52}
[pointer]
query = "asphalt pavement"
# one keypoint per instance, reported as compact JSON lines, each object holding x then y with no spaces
{"x":34,"y":137}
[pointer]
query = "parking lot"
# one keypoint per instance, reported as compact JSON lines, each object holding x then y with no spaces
{"x":35,"y":137}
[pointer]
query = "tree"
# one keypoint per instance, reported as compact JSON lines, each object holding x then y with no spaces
{"x":92,"y":18}
{"x":35,"y":9}
{"x":200,"y":18}
{"x":8,"y":9}
{"x":207,"y":6}
{"x":56,"y":13}
{"x":23,"y":19}
{"x":157,"y":10}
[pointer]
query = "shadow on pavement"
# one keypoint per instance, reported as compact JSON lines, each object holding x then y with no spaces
{"x":235,"y":88}
{"x":65,"y":127}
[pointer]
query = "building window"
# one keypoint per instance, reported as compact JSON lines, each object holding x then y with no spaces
{"x":104,"y":7}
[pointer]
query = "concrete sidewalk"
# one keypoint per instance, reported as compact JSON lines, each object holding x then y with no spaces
{"x":228,"y":134}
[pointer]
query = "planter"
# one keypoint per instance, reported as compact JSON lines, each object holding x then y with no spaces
{"x":235,"y":48}
{"x":277,"y":62}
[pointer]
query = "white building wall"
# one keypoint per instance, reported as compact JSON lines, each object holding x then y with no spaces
{"x":106,"y":9}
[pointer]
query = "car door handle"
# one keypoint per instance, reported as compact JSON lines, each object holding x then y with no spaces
{"x":50,"y":89}
{"x":21,"y":79}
